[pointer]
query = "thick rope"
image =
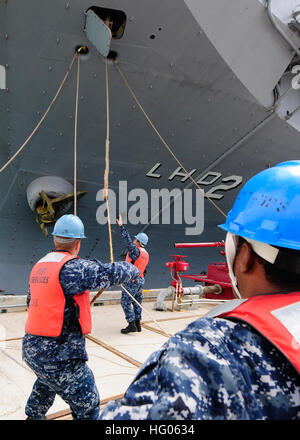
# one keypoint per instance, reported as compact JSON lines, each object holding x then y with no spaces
{"x":42,"y":119}
{"x":109,"y":233}
{"x":105,"y":196}
{"x":106,"y":175}
{"x":107,"y":142}
{"x":162,"y":139}
{"x":106,"y":172}
{"x":75,"y":133}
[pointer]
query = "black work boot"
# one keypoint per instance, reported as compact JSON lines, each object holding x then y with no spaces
{"x":138,"y":326}
{"x":130,"y":328}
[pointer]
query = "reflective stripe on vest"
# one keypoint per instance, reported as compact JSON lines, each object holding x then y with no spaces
{"x":275,"y":316}
{"x":47,"y":299}
{"x":141,"y":262}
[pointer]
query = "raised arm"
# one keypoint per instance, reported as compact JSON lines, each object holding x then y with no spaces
{"x":133,"y":250}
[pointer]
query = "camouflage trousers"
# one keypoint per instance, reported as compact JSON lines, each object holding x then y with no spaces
{"x":133,"y":311}
{"x":72,"y":380}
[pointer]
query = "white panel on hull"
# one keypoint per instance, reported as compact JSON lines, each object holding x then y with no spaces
{"x":98,"y":33}
{"x":2,"y":78}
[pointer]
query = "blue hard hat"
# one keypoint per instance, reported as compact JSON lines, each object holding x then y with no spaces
{"x":142,"y":238}
{"x":69,"y":226}
{"x":267,"y":209}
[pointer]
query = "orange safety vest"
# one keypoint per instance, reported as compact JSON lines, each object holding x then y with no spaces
{"x":47,"y":299}
{"x":141,"y":262}
{"x":276,"y":316}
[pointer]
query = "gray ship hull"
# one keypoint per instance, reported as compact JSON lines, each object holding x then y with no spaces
{"x":206,"y":114}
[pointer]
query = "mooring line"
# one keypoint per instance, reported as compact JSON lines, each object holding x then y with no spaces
{"x":115,"y":351}
{"x":75,"y":133}
{"x":162,"y":139}
{"x":43,"y":117}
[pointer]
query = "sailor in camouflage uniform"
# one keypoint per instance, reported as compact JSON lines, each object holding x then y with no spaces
{"x":242,"y":360}
{"x":54,"y":342}
{"x":137,"y":254}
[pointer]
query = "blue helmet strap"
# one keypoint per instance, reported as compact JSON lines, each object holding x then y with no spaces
{"x":230,"y":250}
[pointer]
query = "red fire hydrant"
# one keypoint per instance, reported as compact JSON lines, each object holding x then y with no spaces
{"x":177,"y":266}
{"x":217,"y":273}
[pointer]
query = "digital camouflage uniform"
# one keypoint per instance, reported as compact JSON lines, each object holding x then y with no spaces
{"x":131,"y":310}
{"x":213,"y":369}
{"x":60,"y":362}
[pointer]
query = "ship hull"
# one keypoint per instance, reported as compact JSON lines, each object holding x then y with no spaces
{"x":210,"y":121}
